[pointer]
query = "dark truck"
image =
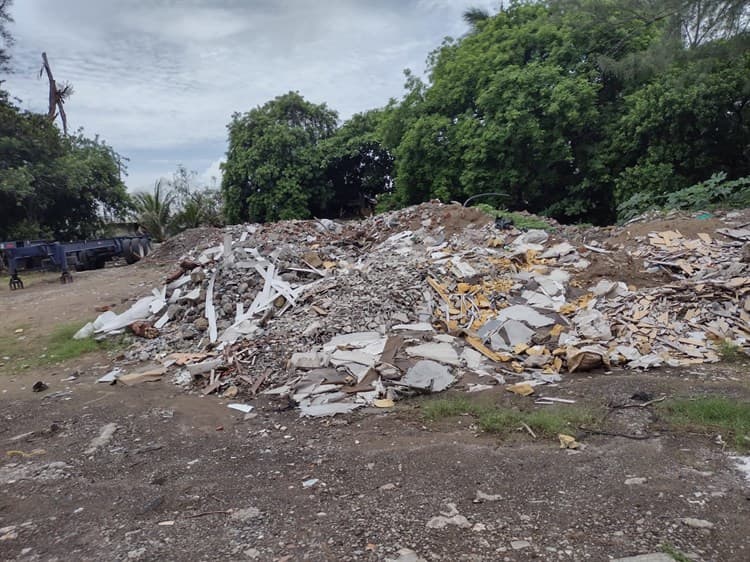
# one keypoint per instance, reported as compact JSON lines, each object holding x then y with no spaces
{"x":31,"y":255}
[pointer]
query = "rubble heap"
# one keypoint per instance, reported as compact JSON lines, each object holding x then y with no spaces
{"x":336,"y":316}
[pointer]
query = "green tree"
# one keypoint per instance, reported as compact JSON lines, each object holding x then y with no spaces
{"x":569,"y":107}
{"x":475,"y":16}
{"x":356,"y":165}
{"x":687,"y":124}
{"x":515,"y":107}
{"x":53,"y":186}
{"x":195,"y":205}
{"x":273,"y":169}
{"x":153,"y":211}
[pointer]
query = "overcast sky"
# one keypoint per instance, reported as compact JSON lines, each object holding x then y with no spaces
{"x":159,"y":79}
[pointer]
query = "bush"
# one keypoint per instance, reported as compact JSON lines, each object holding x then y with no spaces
{"x":715,"y":192}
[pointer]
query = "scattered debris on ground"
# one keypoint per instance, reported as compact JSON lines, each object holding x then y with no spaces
{"x":334,"y":317}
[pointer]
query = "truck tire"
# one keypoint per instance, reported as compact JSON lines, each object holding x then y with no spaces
{"x":127,"y":251}
{"x":146,"y":244}
{"x":133,"y":253}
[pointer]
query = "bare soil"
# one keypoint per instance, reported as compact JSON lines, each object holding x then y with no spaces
{"x":174,"y":248}
{"x":185,"y":478}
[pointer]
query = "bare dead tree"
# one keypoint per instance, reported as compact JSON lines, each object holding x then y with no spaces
{"x":57,"y":96}
{"x":6,"y":39}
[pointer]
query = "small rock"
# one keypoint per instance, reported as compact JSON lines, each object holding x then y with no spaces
{"x":697,"y":523}
{"x":406,"y":555}
{"x":519,"y":545}
{"x":635,"y":481}
{"x":482,"y":497}
{"x":245,"y":514}
{"x":105,"y":435}
{"x":387,"y":487}
{"x":9,"y":536}
{"x":152,"y":505}
{"x":137,"y":554}
{"x":441,"y":522}
{"x":655,"y":557}
{"x":252,"y":553}
{"x":313,"y":329}
{"x":40,"y":386}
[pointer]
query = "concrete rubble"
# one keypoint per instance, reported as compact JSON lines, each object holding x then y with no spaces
{"x":338,"y":316}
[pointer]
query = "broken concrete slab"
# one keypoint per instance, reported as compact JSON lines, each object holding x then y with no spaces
{"x":473,"y":359}
{"x":532,"y":237}
{"x":607,"y":288}
{"x":326,"y":410}
{"x":204,"y":367}
{"x":525,"y":314}
{"x":515,"y":333}
{"x":558,"y":251}
{"x":344,"y":357}
{"x":151,"y":375}
{"x":309,"y":360}
{"x":429,"y":376}
{"x":111,"y":377}
{"x":441,"y":352}
{"x":419,"y":327}
{"x":356,"y":340}
{"x":591,"y":324}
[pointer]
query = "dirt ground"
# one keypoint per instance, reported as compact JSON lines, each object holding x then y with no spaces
{"x":184,"y":478}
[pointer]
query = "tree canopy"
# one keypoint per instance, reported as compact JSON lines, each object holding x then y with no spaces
{"x":287,"y":159}
{"x":273,"y":167}
{"x":584,"y":110}
{"x":176,"y":205}
{"x":53,"y":186}
{"x":569,"y":108}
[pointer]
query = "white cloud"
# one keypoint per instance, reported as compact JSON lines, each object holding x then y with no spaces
{"x":212,"y":175}
{"x":159,"y":79}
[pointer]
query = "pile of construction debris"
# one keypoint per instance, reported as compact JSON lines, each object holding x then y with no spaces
{"x":337,"y":316}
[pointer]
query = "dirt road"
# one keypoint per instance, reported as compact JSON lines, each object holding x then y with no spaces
{"x":97,"y":472}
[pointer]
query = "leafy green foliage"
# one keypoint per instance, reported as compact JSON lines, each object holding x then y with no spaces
{"x":716,"y":192}
{"x":730,"y":351}
{"x":53,"y":186}
{"x":196,"y":205}
{"x":583,"y":110}
{"x":153,"y":211}
{"x":356,"y":165}
{"x":516,"y":107}
{"x":176,"y":205}
{"x":273,"y":169}
{"x":573,"y":108}
{"x":520,"y":221}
